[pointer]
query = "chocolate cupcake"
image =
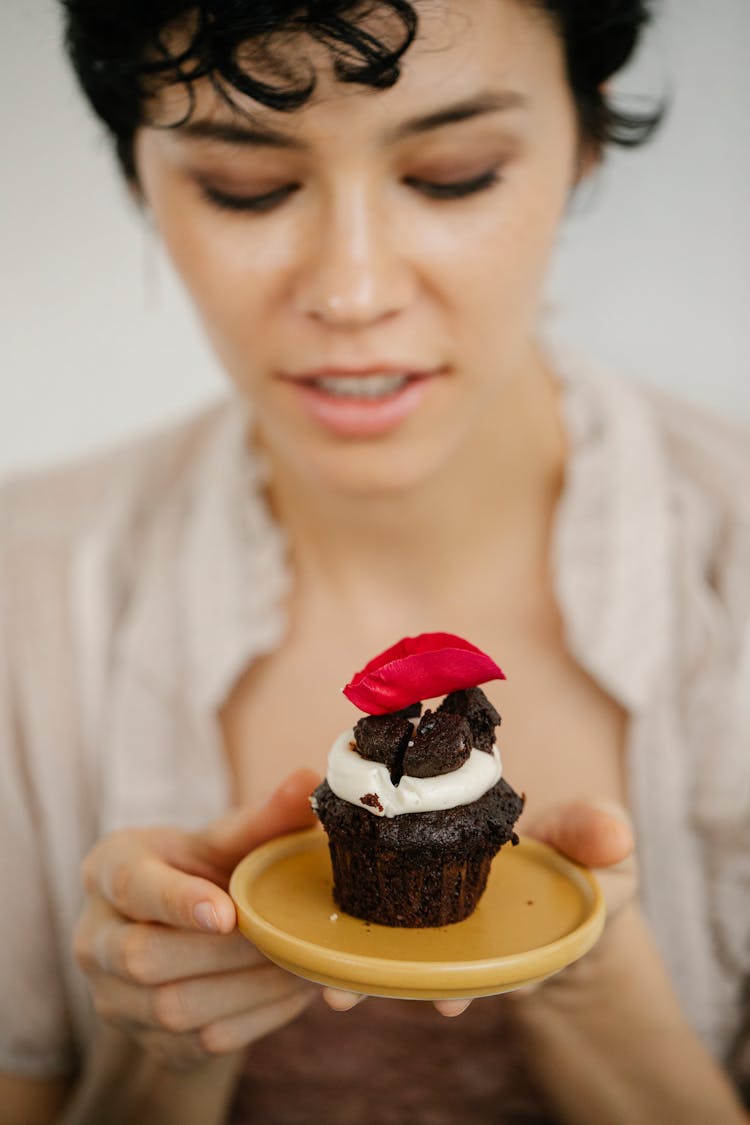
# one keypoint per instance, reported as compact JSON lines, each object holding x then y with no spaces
{"x":415,"y":809}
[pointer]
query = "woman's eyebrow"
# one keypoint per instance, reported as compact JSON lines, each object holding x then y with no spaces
{"x":485,"y":103}
{"x":234,"y":133}
{"x":237,"y":133}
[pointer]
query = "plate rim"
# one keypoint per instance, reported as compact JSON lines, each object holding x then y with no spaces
{"x":365,"y":971}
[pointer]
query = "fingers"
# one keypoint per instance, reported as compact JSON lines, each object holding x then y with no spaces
{"x":596,"y":834}
{"x":619,"y":883}
{"x":148,"y":953}
{"x":182,"y":995}
{"x":131,"y":877}
{"x":181,"y":992}
{"x":189,"y":1005}
{"x":227,"y":840}
{"x":236,"y":1032}
{"x":166,"y":876}
{"x":452,"y":1008}
{"x":340,"y":1000}
{"x":184,"y":1050}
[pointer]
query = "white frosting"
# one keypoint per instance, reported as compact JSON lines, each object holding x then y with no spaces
{"x":352,"y":777}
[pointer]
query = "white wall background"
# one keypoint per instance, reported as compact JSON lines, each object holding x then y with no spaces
{"x":652,"y":277}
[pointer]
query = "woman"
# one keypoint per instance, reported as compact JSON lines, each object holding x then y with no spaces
{"x":361,"y":201}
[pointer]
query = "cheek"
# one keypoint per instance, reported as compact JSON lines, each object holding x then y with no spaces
{"x":232,"y":279}
{"x":494,"y":275}
{"x":232,"y":270}
{"x":493,"y":293}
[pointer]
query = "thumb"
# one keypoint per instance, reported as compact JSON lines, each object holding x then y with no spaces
{"x":227,"y":840}
{"x":597,"y":834}
{"x":594,"y":833}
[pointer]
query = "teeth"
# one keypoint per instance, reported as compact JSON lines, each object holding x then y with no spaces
{"x":362,"y":386}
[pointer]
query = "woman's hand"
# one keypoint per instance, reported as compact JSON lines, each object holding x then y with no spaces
{"x":596,"y":834}
{"x":607,"y":1039}
{"x":157,"y":937}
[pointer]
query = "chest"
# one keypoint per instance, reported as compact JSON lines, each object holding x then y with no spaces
{"x":562,"y":738}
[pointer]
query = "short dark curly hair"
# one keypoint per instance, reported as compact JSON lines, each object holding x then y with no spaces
{"x":121,"y":53}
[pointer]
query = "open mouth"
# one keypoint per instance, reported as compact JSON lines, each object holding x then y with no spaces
{"x":368,"y":387}
{"x":351,"y":403}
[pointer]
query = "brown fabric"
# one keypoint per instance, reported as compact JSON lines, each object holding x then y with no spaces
{"x":389,"y":1062}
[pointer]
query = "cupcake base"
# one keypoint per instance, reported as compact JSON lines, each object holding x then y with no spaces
{"x":419,"y":869}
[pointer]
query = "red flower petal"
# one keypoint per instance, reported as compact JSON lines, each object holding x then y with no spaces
{"x":418,"y":668}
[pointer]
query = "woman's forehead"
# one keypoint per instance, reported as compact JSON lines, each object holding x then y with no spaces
{"x":492,"y":53}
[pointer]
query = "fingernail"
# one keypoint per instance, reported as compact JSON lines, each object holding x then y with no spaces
{"x":206,"y":917}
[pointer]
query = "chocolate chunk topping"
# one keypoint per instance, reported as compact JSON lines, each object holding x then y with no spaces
{"x":383,"y":738}
{"x":413,"y":711}
{"x":441,"y":744}
{"x":476,"y":708}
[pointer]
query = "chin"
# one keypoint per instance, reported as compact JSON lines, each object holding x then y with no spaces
{"x":373,"y":470}
{"x":376,"y":473}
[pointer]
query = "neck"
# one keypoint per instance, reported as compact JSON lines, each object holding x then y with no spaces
{"x":487,"y":512}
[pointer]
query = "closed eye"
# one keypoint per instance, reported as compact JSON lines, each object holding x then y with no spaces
{"x":433,"y":189}
{"x":266,"y":201}
{"x":455,"y":189}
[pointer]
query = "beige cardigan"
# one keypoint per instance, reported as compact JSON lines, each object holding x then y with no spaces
{"x":135,"y":586}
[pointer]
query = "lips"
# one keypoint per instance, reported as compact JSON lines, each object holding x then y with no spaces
{"x":361,"y":401}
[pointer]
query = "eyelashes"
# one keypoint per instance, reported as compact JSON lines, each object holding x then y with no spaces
{"x":267,"y":201}
{"x":455,"y":189}
{"x":431,"y":189}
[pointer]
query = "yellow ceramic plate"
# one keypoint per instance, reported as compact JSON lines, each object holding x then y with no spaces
{"x":539,"y":913}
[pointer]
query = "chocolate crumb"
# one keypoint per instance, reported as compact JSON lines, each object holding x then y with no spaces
{"x":372,"y":801}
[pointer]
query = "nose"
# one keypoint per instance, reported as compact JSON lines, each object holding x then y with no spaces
{"x":354,"y":274}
